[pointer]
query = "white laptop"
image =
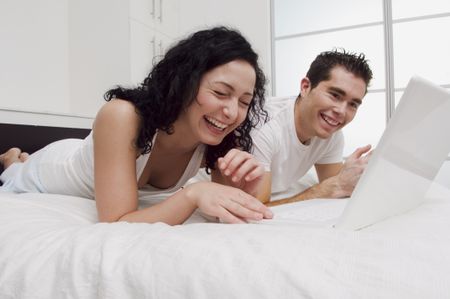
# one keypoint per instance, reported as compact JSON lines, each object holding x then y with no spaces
{"x":408,"y":156}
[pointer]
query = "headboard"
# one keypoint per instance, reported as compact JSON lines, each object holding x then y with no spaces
{"x":30,"y":138}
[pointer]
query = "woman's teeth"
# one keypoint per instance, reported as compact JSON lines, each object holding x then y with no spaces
{"x":216,"y":123}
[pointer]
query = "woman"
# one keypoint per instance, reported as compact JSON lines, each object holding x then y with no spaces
{"x":195,"y":108}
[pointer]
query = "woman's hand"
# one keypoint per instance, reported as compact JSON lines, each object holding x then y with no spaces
{"x":241,"y":170}
{"x":229,"y":204}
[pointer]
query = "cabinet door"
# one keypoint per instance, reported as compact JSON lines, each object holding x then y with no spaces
{"x":163,"y":43}
{"x":143,"y":11}
{"x":143,"y":47}
{"x":167,"y":17}
{"x":147,"y":47}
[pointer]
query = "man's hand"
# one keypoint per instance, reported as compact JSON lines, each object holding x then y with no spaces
{"x":337,"y":186}
{"x":351,"y":171}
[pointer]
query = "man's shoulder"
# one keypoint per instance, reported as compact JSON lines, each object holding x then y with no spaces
{"x":276,"y":103}
{"x":277,"y":130}
{"x":279,"y":107}
{"x":279,"y":111}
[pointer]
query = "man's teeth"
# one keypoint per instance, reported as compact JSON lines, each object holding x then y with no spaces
{"x":216,"y":123}
{"x":330,"y":121}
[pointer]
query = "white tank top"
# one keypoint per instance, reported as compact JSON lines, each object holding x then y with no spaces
{"x":67,"y":167}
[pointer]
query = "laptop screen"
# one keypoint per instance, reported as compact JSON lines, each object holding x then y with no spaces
{"x":413,"y":147}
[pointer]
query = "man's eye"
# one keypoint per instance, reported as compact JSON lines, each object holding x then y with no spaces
{"x":354,"y":105}
{"x":335,"y":95}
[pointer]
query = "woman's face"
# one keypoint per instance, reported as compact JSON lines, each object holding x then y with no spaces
{"x":222,"y":102}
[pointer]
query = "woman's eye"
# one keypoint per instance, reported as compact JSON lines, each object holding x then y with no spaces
{"x":219,"y":93}
{"x":245,"y":103}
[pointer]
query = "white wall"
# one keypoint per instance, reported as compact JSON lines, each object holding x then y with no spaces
{"x":98,"y":49}
{"x":58,"y":57}
{"x":250,"y":17}
{"x":34,"y":55}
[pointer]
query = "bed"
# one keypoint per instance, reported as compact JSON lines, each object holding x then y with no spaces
{"x":51,"y":246}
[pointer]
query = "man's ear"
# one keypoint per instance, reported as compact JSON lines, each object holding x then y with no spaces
{"x":305,"y":85}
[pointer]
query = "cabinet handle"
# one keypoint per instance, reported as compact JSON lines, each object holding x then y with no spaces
{"x":160,"y":48}
{"x":152,"y":13}
{"x":153,"y":42}
{"x":160,"y":10}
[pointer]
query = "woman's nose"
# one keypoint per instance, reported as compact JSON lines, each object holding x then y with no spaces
{"x":231,"y":109}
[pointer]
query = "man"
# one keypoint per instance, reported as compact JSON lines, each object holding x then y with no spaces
{"x":306,"y":131}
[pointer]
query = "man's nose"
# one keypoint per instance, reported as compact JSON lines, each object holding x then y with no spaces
{"x":340,"y":107}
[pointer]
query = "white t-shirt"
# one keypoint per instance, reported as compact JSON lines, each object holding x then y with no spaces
{"x":278,"y":148}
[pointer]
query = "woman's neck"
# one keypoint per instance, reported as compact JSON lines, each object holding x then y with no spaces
{"x":175,"y":143}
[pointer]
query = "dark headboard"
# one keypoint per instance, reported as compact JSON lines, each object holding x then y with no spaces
{"x":32,"y":138}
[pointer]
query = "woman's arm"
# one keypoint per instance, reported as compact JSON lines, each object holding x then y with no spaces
{"x":229,"y":204}
{"x":116,"y":191}
{"x":115,"y":130}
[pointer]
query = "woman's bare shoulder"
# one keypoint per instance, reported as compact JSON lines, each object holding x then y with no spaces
{"x":117,"y":112}
{"x":118,"y":108}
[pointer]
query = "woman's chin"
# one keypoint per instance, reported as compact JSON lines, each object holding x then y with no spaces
{"x":212,"y":139}
{"x":213,"y":142}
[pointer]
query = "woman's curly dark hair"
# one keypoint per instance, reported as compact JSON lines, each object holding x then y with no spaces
{"x":173,"y":84}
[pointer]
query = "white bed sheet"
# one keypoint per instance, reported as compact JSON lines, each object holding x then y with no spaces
{"x":52,"y":247}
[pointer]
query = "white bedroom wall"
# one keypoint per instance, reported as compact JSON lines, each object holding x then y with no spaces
{"x":58,"y":57}
{"x":99,"y":52}
{"x":34,"y":55}
{"x":250,"y":17}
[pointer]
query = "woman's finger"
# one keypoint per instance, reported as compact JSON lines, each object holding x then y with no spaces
{"x":241,"y":211}
{"x":245,"y":168}
{"x":225,"y":216}
{"x":251,"y":203}
{"x":234,"y":163}
{"x":256,"y":173}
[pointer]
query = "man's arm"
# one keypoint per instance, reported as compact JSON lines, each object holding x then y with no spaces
{"x":335,"y":180}
{"x":324,"y":189}
{"x":264,"y":192}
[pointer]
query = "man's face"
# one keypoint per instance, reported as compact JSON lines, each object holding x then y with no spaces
{"x":329,"y":106}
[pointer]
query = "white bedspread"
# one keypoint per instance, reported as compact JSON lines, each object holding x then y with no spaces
{"x":52,"y":247}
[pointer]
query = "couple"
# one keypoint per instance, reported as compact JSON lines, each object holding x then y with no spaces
{"x":198,"y":108}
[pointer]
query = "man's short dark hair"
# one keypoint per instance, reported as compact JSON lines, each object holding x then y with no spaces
{"x":354,"y":63}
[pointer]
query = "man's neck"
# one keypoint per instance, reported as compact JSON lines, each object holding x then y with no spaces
{"x":300,"y":129}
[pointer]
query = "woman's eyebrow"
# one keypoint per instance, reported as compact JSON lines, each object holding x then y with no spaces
{"x":231,"y":87}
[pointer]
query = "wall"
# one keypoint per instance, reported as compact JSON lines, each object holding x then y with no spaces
{"x":250,"y":17}
{"x":58,"y":57}
{"x":34,"y":55}
{"x":99,"y":50}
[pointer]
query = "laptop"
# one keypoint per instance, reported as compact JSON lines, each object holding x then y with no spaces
{"x":401,"y":169}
